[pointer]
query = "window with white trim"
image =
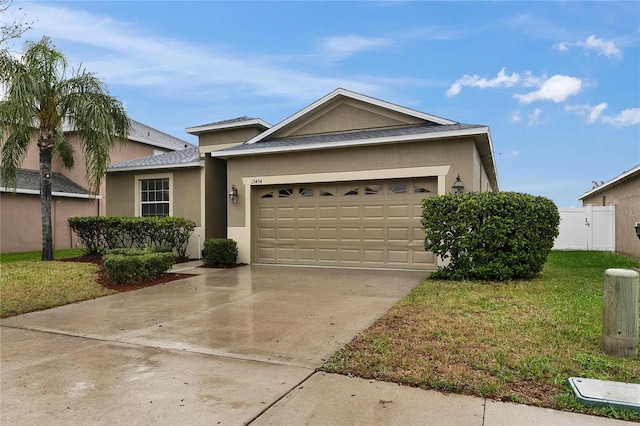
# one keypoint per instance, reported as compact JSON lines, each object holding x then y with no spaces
{"x":154,"y":197}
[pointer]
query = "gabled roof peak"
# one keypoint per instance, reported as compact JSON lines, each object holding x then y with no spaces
{"x":340,"y":92}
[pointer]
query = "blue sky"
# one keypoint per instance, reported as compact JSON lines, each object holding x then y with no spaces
{"x":558,"y":83}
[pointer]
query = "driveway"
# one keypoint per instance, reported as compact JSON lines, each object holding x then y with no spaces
{"x":218,"y":348}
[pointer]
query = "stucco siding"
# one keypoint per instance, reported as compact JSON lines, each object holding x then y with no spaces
{"x":186,"y":192}
{"x":229,"y":136}
{"x":456,"y":153}
{"x":346,"y":115}
{"x":21,"y":225}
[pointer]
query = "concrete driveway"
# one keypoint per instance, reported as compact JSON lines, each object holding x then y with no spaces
{"x":218,"y":348}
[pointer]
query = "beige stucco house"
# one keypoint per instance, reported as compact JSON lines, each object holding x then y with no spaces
{"x":20,"y":217}
{"x":339,"y":183}
{"x":624,"y":192}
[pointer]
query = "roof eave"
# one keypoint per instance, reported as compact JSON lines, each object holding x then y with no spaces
{"x":353,"y":143}
{"x":53,"y":193}
{"x":195,"y":130}
{"x":198,"y":163}
{"x":613,"y":181}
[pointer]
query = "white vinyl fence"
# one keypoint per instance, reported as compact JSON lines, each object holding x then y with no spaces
{"x":587,"y":228}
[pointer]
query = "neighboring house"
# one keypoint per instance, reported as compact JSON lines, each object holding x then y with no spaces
{"x":624,"y":192}
{"x":20,"y":217}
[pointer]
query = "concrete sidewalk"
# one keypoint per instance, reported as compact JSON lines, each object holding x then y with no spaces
{"x":329,"y":399}
{"x":234,"y":346}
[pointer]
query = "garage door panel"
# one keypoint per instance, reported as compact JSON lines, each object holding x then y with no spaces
{"x":398,"y":234}
{"x":266,"y":213}
{"x":350,"y":234}
{"x":267,"y":234}
{"x":267,"y":254}
{"x":286,"y":254}
{"x":286,"y":213}
{"x":400,"y":211}
{"x":328,"y":255}
{"x":307,"y":234}
{"x":373,"y":256}
{"x":307,"y":254}
{"x":350,"y":212}
{"x":371,"y":224}
{"x":350,"y":255}
{"x":373,"y":212}
{"x":307,"y":212}
{"x":398,"y":256}
{"x":328,"y":234}
{"x":328,"y":212}
{"x":373,"y":234}
{"x":286,"y":234}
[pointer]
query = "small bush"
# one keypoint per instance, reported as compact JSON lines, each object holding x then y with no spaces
{"x":220,"y":252}
{"x":495,"y":236}
{"x":130,"y":265}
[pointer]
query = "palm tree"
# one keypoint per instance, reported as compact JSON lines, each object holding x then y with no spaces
{"x":40,"y":98}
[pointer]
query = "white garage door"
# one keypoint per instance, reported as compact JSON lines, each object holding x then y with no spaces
{"x":356,"y":224}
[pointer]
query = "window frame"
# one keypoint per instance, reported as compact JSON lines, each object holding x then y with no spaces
{"x":138,"y":191}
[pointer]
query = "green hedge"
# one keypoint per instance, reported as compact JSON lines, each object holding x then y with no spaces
{"x":495,"y":236}
{"x":130,"y":265}
{"x":102,"y":233}
{"x":220,"y":252}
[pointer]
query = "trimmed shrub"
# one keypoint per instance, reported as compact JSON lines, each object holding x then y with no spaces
{"x":130,"y":265}
{"x":220,"y":252}
{"x":102,"y":233}
{"x":495,"y":236}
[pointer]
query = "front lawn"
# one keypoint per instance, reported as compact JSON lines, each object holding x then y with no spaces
{"x":517,"y":341}
{"x":32,"y":285}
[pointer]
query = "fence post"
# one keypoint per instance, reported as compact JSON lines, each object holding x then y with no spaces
{"x":620,"y":313}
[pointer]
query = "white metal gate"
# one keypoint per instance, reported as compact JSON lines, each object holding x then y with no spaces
{"x":587,"y":228}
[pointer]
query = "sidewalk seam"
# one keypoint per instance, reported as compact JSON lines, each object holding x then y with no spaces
{"x":282,"y":397}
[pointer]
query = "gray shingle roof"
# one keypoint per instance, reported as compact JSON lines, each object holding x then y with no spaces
{"x":230,"y":121}
{"x":188,"y":156}
{"x":142,"y":133}
{"x":148,"y":135}
{"x":351,"y":136}
{"x":30,"y":180}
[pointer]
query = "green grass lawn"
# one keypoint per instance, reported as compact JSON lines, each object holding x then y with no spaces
{"x":518,"y":341}
{"x":27,"y":284}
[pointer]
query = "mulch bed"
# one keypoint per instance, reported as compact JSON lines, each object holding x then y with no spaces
{"x":105,"y":281}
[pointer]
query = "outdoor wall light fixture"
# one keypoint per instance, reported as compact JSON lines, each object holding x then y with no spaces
{"x":458,"y":186}
{"x":638,"y":229}
{"x":233,"y":194}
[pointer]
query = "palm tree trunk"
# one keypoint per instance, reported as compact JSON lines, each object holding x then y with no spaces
{"x":46,"y":154}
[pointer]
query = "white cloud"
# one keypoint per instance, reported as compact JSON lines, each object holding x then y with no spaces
{"x":603,"y":47}
{"x":345,"y":46}
{"x":534,"y":117}
{"x":557,"y":89}
{"x":121,"y":53}
{"x":595,"y":114}
{"x":501,"y":80}
{"x":516,"y":117}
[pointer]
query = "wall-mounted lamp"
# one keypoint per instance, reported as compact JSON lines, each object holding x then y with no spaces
{"x":458,"y":186}
{"x":233,"y":194}
{"x":637,"y":226}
